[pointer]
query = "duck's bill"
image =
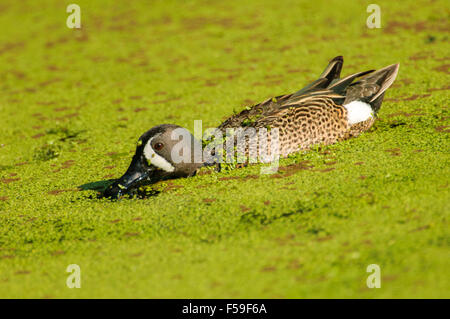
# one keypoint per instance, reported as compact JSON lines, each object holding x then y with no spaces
{"x":137,"y":174}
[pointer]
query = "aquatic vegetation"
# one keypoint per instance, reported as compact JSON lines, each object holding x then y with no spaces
{"x":73,"y":103}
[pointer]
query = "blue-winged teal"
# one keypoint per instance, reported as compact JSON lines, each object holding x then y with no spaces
{"x":326,"y":111}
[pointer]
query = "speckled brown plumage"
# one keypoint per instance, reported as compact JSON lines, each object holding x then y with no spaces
{"x":316,"y":114}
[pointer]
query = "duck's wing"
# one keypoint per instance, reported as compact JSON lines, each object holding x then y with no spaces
{"x":329,"y":75}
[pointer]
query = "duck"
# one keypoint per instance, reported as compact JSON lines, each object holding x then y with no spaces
{"x":326,"y":111}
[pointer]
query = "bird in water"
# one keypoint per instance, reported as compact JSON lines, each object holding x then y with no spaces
{"x":328,"y":110}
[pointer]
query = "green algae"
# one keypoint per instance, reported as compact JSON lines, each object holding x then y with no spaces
{"x":74,"y":103}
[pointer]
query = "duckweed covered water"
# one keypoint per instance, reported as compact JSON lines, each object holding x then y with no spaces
{"x":74,"y":102}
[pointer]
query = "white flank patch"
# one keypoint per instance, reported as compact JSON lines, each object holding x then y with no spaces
{"x":156,"y":159}
{"x":358,"y":111}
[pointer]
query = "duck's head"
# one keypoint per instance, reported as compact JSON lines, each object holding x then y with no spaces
{"x":163,"y":152}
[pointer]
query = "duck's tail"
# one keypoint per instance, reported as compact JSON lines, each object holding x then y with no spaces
{"x":371,"y":88}
{"x":363,"y":98}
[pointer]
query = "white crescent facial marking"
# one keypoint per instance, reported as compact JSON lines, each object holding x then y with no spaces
{"x":156,"y":159}
{"x":358,"y":111}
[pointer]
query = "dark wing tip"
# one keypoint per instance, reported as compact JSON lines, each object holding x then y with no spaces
{"x":337,"y":58}
{"x":333,"y":69}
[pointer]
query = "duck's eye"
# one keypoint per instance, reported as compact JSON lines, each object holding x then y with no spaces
{"x":158,"y":146}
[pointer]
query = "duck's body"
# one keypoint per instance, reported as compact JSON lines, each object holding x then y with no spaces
{"x":326,"y":111}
